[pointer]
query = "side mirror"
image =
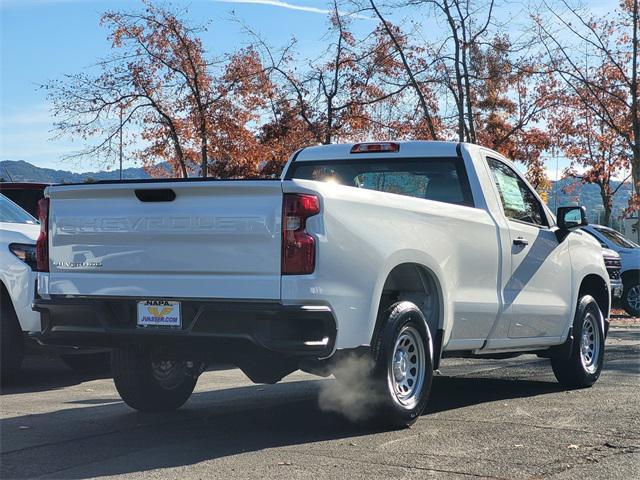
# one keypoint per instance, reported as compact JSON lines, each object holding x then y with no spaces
{"x":572,"y":217}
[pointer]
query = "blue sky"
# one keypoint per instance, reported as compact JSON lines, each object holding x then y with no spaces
{"x":44,"y":39}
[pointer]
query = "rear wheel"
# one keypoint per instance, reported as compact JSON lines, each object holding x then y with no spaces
{"x":11,"y":342}
{"x":93,"y":363}
{"x":147,"y":382}
{"x":584,"y":364}
{"x":403,"y":365}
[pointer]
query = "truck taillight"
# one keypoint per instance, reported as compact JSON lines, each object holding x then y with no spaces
{"x":42,"y":244}
{"x":298,"y":246}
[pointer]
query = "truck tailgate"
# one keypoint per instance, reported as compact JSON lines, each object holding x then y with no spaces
{"x":215,"y":239}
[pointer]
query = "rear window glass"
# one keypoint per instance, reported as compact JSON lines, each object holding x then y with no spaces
{"x":12,"y":213}
{"x":439,"y":179}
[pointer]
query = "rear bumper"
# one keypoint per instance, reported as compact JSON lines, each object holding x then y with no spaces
{"x":295,"y":330}
{"x":34,"y":347}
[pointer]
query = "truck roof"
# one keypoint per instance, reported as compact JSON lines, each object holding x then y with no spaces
{"x":412,"y":149}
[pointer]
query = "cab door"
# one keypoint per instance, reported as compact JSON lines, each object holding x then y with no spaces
{"x":538,"y":292}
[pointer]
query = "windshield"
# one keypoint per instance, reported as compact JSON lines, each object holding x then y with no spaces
{"x":616,"y":238}
{"x":604,"y":245}
{"x":12,"y":213}
{"x":26,"y":198}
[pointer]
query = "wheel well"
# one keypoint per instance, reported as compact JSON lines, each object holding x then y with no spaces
{"x":595,"y":286}
{"x":7,"y":302}
{"x":4,"y":294}
{"x":630,"y":275}
{"x":415,"y":283}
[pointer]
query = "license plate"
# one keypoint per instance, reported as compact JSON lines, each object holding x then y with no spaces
{"x":159,"y":313}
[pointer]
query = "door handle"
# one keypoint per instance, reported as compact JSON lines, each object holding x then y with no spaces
{"x":521,"y":242}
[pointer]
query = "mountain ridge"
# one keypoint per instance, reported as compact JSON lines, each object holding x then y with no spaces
{"x":22,"y":171}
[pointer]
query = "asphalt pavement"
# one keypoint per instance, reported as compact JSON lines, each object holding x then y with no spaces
{"x":486,"y":419}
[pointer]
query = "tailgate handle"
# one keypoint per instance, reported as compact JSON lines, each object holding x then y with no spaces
{"x":156,"y":195}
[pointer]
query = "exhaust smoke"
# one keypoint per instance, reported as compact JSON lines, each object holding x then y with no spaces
{"x":354,"y":394}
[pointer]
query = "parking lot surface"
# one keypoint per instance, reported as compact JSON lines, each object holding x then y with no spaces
{"x":486,"y":419}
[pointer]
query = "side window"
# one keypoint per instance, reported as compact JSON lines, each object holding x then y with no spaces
{"x":518,"y":200}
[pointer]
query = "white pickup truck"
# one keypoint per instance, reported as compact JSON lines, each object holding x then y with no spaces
{"x":400,"y":253}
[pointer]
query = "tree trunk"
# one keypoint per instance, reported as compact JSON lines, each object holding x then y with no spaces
{"x":607,"y":204}
{"x":204,"y":154}
{"x":175,"y":138}
{"x":635,"y":114}
{"x":470,"y":121}
{"x":467,"y":82}
{"x":329,"y":125}
{"x":459,"y":87}
{"x":180,"y":158}
{"x":635,"y":175}
{"x":635,"y":168}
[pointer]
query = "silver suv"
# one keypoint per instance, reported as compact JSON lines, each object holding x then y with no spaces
{"x":629,"y":256}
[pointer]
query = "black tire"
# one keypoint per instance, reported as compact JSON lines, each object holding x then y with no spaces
{"x":141,"y":386}
{"x":11,"y":341}
{"x":631,"y":289}
{"x":580,"y":369}
{"x":90,"y":363}
{"x":399,"y":320}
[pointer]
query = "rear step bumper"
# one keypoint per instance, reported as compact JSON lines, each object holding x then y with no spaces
{"x":295,"y":330}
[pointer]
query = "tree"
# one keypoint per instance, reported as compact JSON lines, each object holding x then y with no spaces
{"x":510,"y":101}
{"x":281,"y":135}
{"x":590,"y":143}
{"x":241,"y":95}
{"x":597,"y":60}
{"x":426,"y":101}
{"x":335,"y":96}
{"x":498,"y":94}
{"x":158,"y":85}
{"x":165,"y":44}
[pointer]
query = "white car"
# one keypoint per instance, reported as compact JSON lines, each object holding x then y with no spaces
{"x":18,"y":234}
{"x":392,"y":254}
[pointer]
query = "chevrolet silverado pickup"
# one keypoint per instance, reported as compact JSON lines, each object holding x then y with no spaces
{"x":399,"y":253}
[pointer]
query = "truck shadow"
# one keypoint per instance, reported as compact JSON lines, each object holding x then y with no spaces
{"x":107,"y":438}
{"x":40,"y":373}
